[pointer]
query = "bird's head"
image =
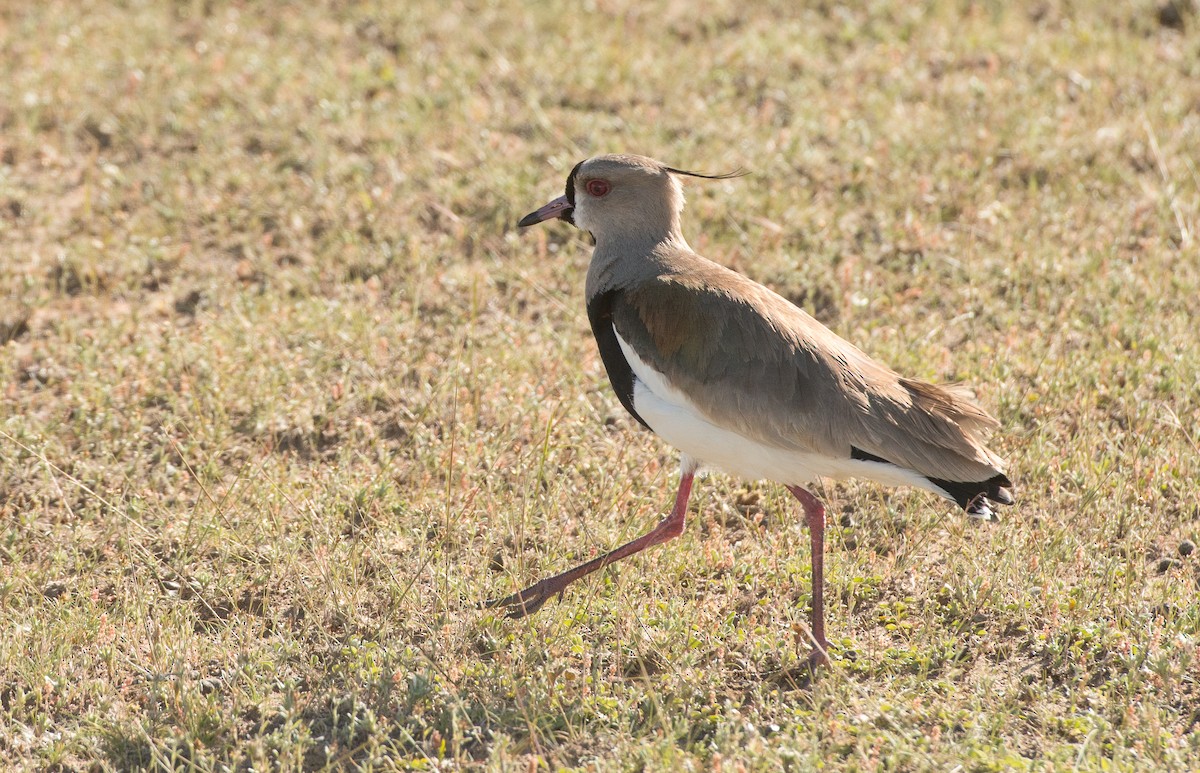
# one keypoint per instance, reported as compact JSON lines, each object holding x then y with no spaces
{"x":615,"y":196}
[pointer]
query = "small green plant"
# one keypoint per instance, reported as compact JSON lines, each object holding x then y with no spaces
{"x":284,"y":393}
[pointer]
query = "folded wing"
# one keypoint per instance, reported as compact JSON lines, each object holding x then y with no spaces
{"x":756,"y":364}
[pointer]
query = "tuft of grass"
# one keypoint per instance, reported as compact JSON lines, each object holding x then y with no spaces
{"x":283,"y":393}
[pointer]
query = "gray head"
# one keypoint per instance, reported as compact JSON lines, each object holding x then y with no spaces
{"x":621,"y":197}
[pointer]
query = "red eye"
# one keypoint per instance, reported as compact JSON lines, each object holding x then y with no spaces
{"x":598,"y":188}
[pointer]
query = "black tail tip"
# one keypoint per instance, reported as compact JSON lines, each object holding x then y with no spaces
{"x":976,"y":497}
{"x":1002,"y":495}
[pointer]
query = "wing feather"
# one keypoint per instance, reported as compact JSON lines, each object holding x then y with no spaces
{"x":754,"y":362}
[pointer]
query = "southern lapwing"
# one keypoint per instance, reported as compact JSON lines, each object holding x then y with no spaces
{"x":738,"y":378}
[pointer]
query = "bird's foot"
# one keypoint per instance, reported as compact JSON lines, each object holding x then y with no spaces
{"x":819,"y":657}
{"x":526,"y":602}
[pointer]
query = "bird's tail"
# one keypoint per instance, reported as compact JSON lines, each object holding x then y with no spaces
{"x":977,"y":497}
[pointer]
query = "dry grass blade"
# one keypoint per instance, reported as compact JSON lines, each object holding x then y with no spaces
{"x":283,"y":392}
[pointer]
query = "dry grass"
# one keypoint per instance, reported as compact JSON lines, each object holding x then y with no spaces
{"x":284,"y":393}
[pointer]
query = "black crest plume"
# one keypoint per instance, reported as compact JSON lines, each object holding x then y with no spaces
{"x":725,"y":176}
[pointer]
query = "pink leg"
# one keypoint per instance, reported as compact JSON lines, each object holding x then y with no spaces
{"x":527,"y":601}
{"x":814,"y":515}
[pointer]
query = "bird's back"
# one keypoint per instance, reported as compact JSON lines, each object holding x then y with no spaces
{"x":754,"y":363}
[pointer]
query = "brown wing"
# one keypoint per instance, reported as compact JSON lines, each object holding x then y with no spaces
{"x":759,"y":365}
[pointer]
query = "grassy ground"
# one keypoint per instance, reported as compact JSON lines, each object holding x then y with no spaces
{"x":283,"y":392}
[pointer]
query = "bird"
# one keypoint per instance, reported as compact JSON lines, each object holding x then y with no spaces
{"x":738,"y":378}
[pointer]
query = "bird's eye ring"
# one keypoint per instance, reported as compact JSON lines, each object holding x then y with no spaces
{"x":598,"y":188}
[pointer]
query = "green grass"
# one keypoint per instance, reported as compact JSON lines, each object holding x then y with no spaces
{"x":283,"y":392}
